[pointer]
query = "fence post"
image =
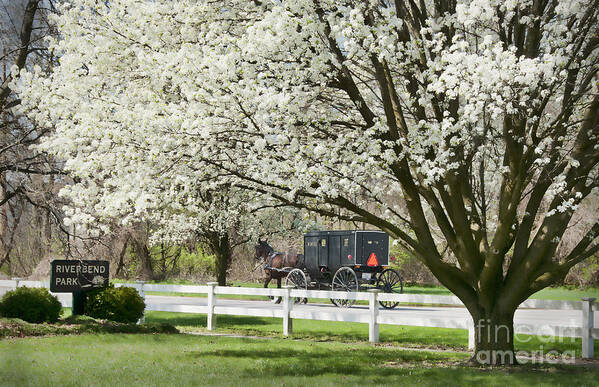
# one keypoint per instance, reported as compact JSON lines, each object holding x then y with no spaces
{"x":211,"y":318}
{"x":287,"y":320}
{"x":588,"y":323}
{"x":471,"y":339}
{"x":140,"y":289}
{"x":17,"y":280}
{"x":373,"y":325}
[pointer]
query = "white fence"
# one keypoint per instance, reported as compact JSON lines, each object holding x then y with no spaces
{"x":373,"y":318}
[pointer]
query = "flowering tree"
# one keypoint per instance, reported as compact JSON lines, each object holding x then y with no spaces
{"x":460,"y":126}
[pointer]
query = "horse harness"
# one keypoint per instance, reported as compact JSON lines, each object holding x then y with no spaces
{"x":271,"y":257}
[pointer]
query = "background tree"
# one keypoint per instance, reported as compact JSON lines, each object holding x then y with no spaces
{"x":29,"y":208}
{"x":466,"y":127}
{"x":220,"y":221}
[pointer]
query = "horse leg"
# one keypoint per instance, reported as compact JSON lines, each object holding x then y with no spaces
{"x":267,"y":281}
{"x":279,"y":287}
{"x":276,"y":300}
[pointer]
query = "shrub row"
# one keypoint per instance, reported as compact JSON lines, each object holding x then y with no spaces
{"x":37,"y":305}
{"x":34,"y":305}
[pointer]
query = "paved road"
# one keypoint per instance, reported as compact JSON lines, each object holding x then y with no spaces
{"x":535,"y":317}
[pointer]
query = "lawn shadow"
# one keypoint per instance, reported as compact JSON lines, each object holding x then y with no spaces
{"x":181,"y":319}
{"x":200,"y":320}
{"x":280,"y":362}
{"x":386,"y":367}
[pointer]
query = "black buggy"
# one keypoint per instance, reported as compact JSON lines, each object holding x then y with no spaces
{"x":347,"y":261}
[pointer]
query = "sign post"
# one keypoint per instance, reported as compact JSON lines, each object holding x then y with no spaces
{"x":77,"y":277}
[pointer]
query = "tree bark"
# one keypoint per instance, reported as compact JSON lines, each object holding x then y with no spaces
{"x":143,"y":253}
{"x":223,"y":260}
{"x":220,"y":245}
{"x":494,"y":338}
{"x":3,"y":214}
{"x":121,"y":263}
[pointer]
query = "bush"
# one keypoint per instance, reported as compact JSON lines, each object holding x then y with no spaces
{"x":34,"y":305}
{"x":117,"y":304}
{"x":195,"y":262}
{"x":585,"y":274}
{"x":410,"y":267}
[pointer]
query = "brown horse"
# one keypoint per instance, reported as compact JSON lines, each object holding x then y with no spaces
{"x":275,"y":261}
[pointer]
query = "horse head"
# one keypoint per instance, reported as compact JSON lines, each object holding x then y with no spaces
{"x":262,"y":250}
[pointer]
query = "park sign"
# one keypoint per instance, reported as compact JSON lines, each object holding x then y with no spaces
{"x":68,"y":276}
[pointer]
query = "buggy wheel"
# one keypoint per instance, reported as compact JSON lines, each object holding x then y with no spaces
{"x":344,"y":280}
{"x":389,"y":281}
{"x":297,"y":279}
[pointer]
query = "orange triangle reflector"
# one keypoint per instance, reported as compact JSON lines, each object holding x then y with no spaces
{"x":372,"y":260}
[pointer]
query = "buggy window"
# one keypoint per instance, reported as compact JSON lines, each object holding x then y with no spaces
{"x":345,"y":242}
{"x":323,"y":242}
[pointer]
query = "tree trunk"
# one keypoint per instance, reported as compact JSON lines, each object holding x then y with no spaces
{"x":494,"y":338}
{"x":143,"y":253}
{"x":121,"y":263}
{"x":223,"y":259}
{"x":220,"y":246}
{"x":3,"y":215}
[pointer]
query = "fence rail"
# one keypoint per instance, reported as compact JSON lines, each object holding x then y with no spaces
{"x":373,"y":318}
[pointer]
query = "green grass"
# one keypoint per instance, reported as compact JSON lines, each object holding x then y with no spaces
{"x":175,"y":360}
{"x":405,"y":336}
{"x":316,"y":330}
{"x":563,"y":293}
{"x":164,"y":282}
